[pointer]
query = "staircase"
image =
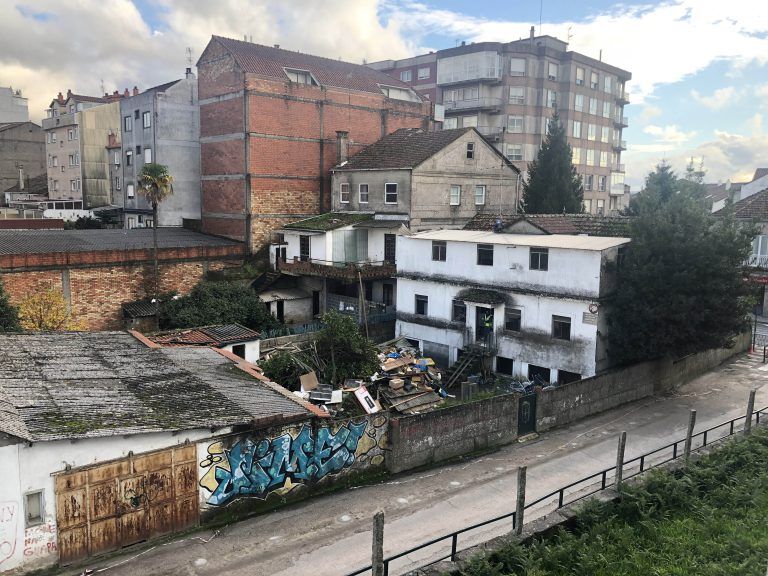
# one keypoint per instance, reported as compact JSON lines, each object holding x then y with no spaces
{"x":462,"y":367}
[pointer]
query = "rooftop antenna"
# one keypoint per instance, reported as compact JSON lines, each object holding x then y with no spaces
{"x":569,"y":36}
{"x":189,"y":57}
{"x":541,"y":12}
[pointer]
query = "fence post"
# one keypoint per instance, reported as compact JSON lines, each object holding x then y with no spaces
{"x":520,"y":513}
{"x":750,"y":409}
{"x":377,"y":554}
{"x":620,"y":459}
{"x":689,"y":434}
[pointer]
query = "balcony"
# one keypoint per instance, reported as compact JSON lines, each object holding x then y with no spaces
{"x":476,"y":104}
{"x":58,"y":121}
{"x":620,"y":145}
{"x":491,"y":133}
{"x":622,"y":121}
{"x":617,"y":189}
{"x":756,"y":261}
{"x":618,"y":168}
{"x":345,"y":271}
{"x":622,"y":98}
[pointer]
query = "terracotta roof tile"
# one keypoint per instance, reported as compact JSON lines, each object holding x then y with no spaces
{"x":589,"y":224}
{"x":754,"y":207}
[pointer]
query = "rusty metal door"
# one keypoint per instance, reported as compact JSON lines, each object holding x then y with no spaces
{"x":115,"y":504}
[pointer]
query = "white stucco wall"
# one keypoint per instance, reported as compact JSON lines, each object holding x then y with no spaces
{"x":317,"y":245}
{"x":28,"y":468}
{"x":251,"y":349}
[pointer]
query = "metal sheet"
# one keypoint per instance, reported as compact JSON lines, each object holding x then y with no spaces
{"x":71,"y":509}
{"x":104,"y":536}
{"x":73,"y":544}
{"x":102,"y":500}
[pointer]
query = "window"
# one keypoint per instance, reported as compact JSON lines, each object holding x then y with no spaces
{"x":71,"y":108}
{"x":592,"y":132}
{"x":515,"y":124}
{"x":70,"y":134}
{"x":117,"y":182}
{"x":48,"y":138}
{"x":127,"y":124}
{"x":71,"y":159}
{"x":117,"y":158}
{"x":300,"y":77}
{"x":469,"y":121}
{"x":459,"y":311}
{"x":344,"y":193}
{"x":512,"y":319}
{"x":601,"y":207}
{"x":552,"y":72}
{"x":588,"y":181}
{"x":606,"y":109}
{"x":561,"y":327}
{"x":55,"y":160}
{"x":517,"y":66}
{"x":612,"y":202}
{"x":421,"y":305}
{"x":147,"y":155}
{"x":515,"y":151}
{"x":405,"y":75}
{"x":53,"y":136}
{"x":605,"y":134}
{"x":593,"y":106}
{"x":450,"y":123}
{"x":539,"y":259}
{"x":304,"y":248}
{"x":601,"y":182}
{"x":129,"y":191}
{"x":455,"y":197}
{"x":607,"y":84}
{"x":137,"y":114}
{"x":439,"y":249}
{"x":388,"y":294}
{"x":588,"y":206}
{"x":590,"y":157}
{"x":480,"y":195}
{"x":504,"y":365}
{"x":578,"y":103}
{"x":517,"y":95}
{"x":129,"y":158}
{"x":579,"y":76}
{"x":423,"y":73}
{"x":77,"y":131}
{"x":485,"y":254}
{"x":34,"y":511}
{"x":131,"y":222}
{"x":470,"y":150}
{"x":138,"y":149}
{"x":576,"y":129}
{"x":396,"y":93}
{"x":576,"y":156}
{"x":593,"y":81}
{"x":390,"y":193}
{"x":551,"y":98}
{"x":604,"y":159}
{"x":55,"y":185}
{"x":146,"y":119}
{"x":73,"y":185}
{"x":363,"y":193}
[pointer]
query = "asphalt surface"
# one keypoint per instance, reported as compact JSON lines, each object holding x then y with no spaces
{"x":331,"y":535}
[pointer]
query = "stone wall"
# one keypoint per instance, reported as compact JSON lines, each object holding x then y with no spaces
{"x":423,"y":439}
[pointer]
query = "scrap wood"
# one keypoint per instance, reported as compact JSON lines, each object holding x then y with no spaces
{"x":394,"y":363}
{"x":410,"y":398}
{"x":417,"y":401}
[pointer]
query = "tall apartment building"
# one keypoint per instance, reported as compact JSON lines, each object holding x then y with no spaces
{"x":510,"y":90}
{"x":268,"y":124}
{"x":162,"y":125}
{"x":22,"y":155}
{"x":77,"y":130}
{"x":13,"y":106}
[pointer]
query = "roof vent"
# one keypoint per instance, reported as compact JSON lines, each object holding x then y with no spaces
{"x":497,"y":225}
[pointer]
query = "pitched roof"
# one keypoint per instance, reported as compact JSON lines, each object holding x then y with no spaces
{"x":329,"y":221}
{"x":270,"y":62}
{"x":589,"y":224}
{"x":759,"y":173}
{"x":51,"y":241}
{"x":139,"y":309}
{"x":93,"y":384}
{"x":403,"y":148}
{"x":754,"y":207}
{"x":81,"y":98}
{"x":36,"y":185}
{"x":218,"y":336}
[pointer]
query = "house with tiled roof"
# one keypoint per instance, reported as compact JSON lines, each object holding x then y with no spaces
{"x":239,"y":340}
{"x":271,"y":122}
{"x":408,"y":180}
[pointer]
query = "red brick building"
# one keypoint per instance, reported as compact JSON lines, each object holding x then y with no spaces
{"x":268,"y":130}
{"x":99,"y":270}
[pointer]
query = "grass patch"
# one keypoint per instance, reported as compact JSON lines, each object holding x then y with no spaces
{"x":706,"y":520}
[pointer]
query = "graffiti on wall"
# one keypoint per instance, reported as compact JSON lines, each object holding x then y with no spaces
{"x":259,"y":468}
{"x":40,"y":540}
{"x":9,"y":518}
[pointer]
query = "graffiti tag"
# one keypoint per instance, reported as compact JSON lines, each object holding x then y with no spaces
{"x":8,"y":522}
{"x":257,"y":468}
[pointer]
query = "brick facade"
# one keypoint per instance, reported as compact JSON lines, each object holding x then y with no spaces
{"x":96,"y":284}
{"x":267,"y":144}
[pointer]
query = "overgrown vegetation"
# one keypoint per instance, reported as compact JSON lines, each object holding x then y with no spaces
{"x":681,"y":286}
{"x":281,"y":367}
{"x":217,"y":302}
{"x":84,"y":223}
{"x":9,"y":315}
{"x":708,"y":520}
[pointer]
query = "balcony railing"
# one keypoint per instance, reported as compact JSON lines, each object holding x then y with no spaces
{"x":340,"y":270}
{"x":618,"y":168}
{"x":475,"y":104}
{"x":492,"y":133}
{"x":620,"y":145}
{"x":622,"y":97}
{"x":621,"y":120}
{"x":756,"y":261}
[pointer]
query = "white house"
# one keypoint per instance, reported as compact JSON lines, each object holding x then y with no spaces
{"x":535,"y":303}
{"x":234,"y":338}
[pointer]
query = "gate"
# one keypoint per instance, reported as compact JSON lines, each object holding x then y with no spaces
{"x":526,"y":414}
{"x":107,"y":506}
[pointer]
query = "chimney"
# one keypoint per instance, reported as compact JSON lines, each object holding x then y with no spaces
{"x":69,"y":93}
{"x":135,"y":91}
{"x":126,"y":94}
{"x":342,"y":146}
{"x":188,"y":74}
{"x":463,"y":43}
{"x":60,"y":97}
{"x":533,"y":29}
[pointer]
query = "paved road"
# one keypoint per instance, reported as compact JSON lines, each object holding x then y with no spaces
{"x":331,"y":535}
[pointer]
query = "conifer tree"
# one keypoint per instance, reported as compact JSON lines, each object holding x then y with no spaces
{"x":9,"y":316}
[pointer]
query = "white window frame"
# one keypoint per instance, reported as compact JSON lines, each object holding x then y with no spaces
{"x":577,"y":129}
{"x":480,"y":195}
{"x":603,"y":159}
{"x":591,"y":132}
{"x":128,"y":123}
{"x":53,"y":137}
{"x":517,"y":98}
{"x":593,"y":106}
{"x":580,"y":77}
{"x":454,"y":195}
{"x":70,"y":134}
{"x":146,"y":119}
{"x":552,"y":67}
{"x":590,"y":157}
{"x":450,"y":123}
{"x":129,"y":157}
{"x":423,"y":73}
{"x":605,"y":134}
{"x":406,"y":75}
{"x":147,"y":155}
{"x":515,"y":157}
{"x":594,"y":80}
{"x":360,"y":193}
{"x":578,"y":103}
{"x":118,"y":158}
{"x":301,"y":76}
{"x":515,"y":124}
{"x":55,"y":161}
{"x":470,"y":154}
{"x":117,"y":183}
{"x":606,"y":109}
{"x":513,"y":71}
{"x":576,"y":157}
{"x":37,"y":520}
{"x":130,"y":191}
{"x":386,"y":201}
{"x":344,"y":192}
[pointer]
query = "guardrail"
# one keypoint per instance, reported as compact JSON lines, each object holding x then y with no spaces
{"x":585,"y":487}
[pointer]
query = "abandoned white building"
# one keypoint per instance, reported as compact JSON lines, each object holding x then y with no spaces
{"x":532,"y":303}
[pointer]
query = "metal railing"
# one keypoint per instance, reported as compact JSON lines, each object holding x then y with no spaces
{"x":473,"y":104}
{"x":756,"y":261}
{"x":584,"y":487}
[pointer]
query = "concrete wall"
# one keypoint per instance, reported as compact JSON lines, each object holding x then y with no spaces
{"x":424,"y":439}
{"x":96,"y":124}
{"x":375,"y":180}
{"x":22,"y":144}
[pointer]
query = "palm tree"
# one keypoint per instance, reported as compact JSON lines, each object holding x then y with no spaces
{"x":156,"y":184}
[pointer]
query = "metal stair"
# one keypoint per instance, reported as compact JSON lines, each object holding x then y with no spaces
{"x":468,"y":359}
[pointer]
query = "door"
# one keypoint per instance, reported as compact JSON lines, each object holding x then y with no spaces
{"x":526,"y":414}
{"x":389,"y":248}
{"x":315,"y":303}
{"x":280,"y":310}
{"x":108,"y":506}
{"x":483,"y":323}
{"x":388,"y":293}
{"x":304,"y":253}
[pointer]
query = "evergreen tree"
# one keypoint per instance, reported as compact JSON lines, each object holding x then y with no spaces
{"x":553,"y":185}
{"x":9,"y":315}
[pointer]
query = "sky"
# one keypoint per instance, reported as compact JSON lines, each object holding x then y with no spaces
{"x":699,"y":68}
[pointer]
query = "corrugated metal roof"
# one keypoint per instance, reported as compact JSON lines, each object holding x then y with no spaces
{"x":542,"y":240}
{"x":218,"y":335}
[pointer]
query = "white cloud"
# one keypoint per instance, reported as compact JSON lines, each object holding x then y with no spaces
{"x":670,"y":134}
{"x":648,"y":113}
{"x":719,"y":99}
